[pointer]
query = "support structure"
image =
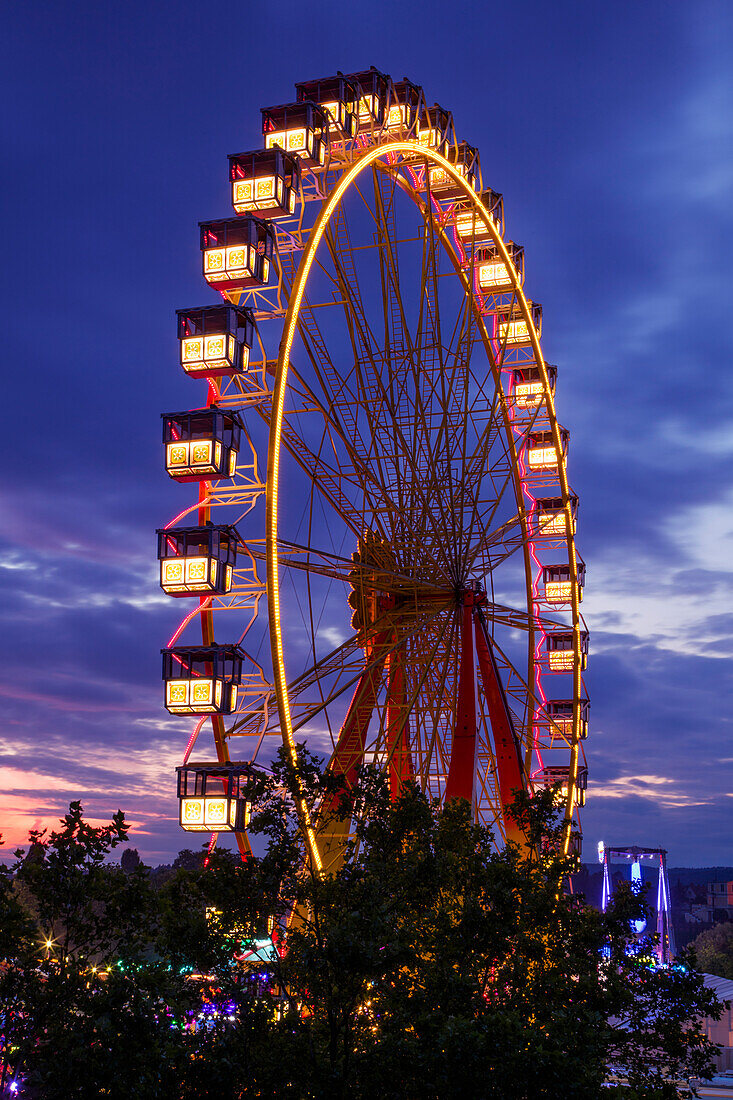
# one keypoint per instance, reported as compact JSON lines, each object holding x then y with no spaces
{"x":463,"y":750}
{"x":509,"y":766}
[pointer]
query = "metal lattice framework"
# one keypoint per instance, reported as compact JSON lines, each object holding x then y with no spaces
{"x":400,"y":463}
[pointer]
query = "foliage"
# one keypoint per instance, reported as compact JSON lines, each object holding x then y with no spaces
{"x":83,"y":1005}
{"x":130,"y":859}
{"x":426,"y":965}
{"x":713,"y":950}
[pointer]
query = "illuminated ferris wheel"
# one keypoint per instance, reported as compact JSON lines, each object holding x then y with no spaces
{"x":381,"y":551}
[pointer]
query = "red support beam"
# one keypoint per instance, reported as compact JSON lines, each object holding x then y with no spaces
{"x":398,"y":739}
{"x":462,"y":769}
{"x":510,"y":771}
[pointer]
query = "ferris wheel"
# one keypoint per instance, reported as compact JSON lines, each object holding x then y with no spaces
{"x":381,"y":554}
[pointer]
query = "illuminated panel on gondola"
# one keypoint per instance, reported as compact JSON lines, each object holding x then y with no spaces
{"x":197,"y":560}
{"x":528,"y":390}
{"x":265,"y":182}
{"x":558,"y":582}
{"x":553,"y":774}
{"x":550,"y":519}
{"x":512,"y":329}
{"x":560,"y":650}
{"x":560,"y":713}
{"x":237,"y":252}
{"x":541,"y":453}
{"x":215,"y":797}
{"x":201,"y":444}
{"x":215,"y":340}
{"x":298,"y":128}
{"x":202,"y":679}
{"x":338,"y":97}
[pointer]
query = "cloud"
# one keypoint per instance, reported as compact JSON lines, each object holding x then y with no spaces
{"x":664,"y":792}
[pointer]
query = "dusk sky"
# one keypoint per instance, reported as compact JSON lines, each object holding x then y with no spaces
{"x":609,"y":130}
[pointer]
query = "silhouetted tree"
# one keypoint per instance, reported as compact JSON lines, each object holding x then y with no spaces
{"x":130,"y":860}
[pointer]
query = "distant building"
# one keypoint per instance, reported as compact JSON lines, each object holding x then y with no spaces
{"x":721,"y":1031}
{"x":720,"y":900}
{"x":698,"y":914}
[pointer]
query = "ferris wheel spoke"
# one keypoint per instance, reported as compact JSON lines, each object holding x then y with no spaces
{"x":433,"y":719}
{"x":366,"y":462}
{"x":481,"y":518}
{"x":336,"y":567}
{"x":344,"y":664}
{"x":410,"y":705}
{"x":331,"y":479}
{"x":386,"y":430}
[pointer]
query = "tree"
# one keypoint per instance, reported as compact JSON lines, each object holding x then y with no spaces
{"x":130,"y":860}
{"x":84,"y":1007}
{"x":430,"y":965}
{"x":426,"y":965}
{"x":713,"y":950}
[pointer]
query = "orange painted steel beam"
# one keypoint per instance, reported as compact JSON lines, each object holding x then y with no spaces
{"x":462,"y":770}
{"x":333,"y":823}
{"x":349,"y":752}
{"x":510,"y":771}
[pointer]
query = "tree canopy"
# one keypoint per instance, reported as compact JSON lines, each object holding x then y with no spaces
{"x":713,"y":950}
{"x":427,"y":965}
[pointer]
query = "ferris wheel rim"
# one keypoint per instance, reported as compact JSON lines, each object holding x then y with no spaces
{"x":296,"y":297}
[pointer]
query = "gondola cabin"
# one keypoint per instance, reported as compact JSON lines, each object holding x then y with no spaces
{"x":373,"y":87}
{"x":558,"y":582}
{"x":550,"y":517}
{"x":404,"y":108}
{"x":202,"y":679}
{"x":465,"y":160}
{"x":215,"y":797}
{"x":560,"y":646}
{"x":512,"y":329}
{"x":237,"y":252}
{"x":560,"y":713}
{"x":433,"y":128}
{"x":215,"y":340}
{"x":553,"y":774}
{"x":298,"y":128}
{"x":265,"y":182}
{"x":201,"y":445}
{"x":471,"y":227}
{"x":196,"y":561}
{"x":528,"y":390}
{"x":492,"y":274}
{"x":338,"y":96}
{"x":541,"y":453}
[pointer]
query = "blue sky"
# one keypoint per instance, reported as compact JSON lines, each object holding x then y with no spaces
{"x":608,"y":130}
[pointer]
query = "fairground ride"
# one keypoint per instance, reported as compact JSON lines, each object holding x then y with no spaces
{"x":381,"y":554}
{"x":664,"y":945}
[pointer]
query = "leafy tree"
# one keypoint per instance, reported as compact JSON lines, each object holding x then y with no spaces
{"x":186,"y":860}
{"x":130,"y":860}
{"x":426,"y":965}
{"x":84,"y":1006}
{"x":430,"y":965}
{"x":713,"y":950}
